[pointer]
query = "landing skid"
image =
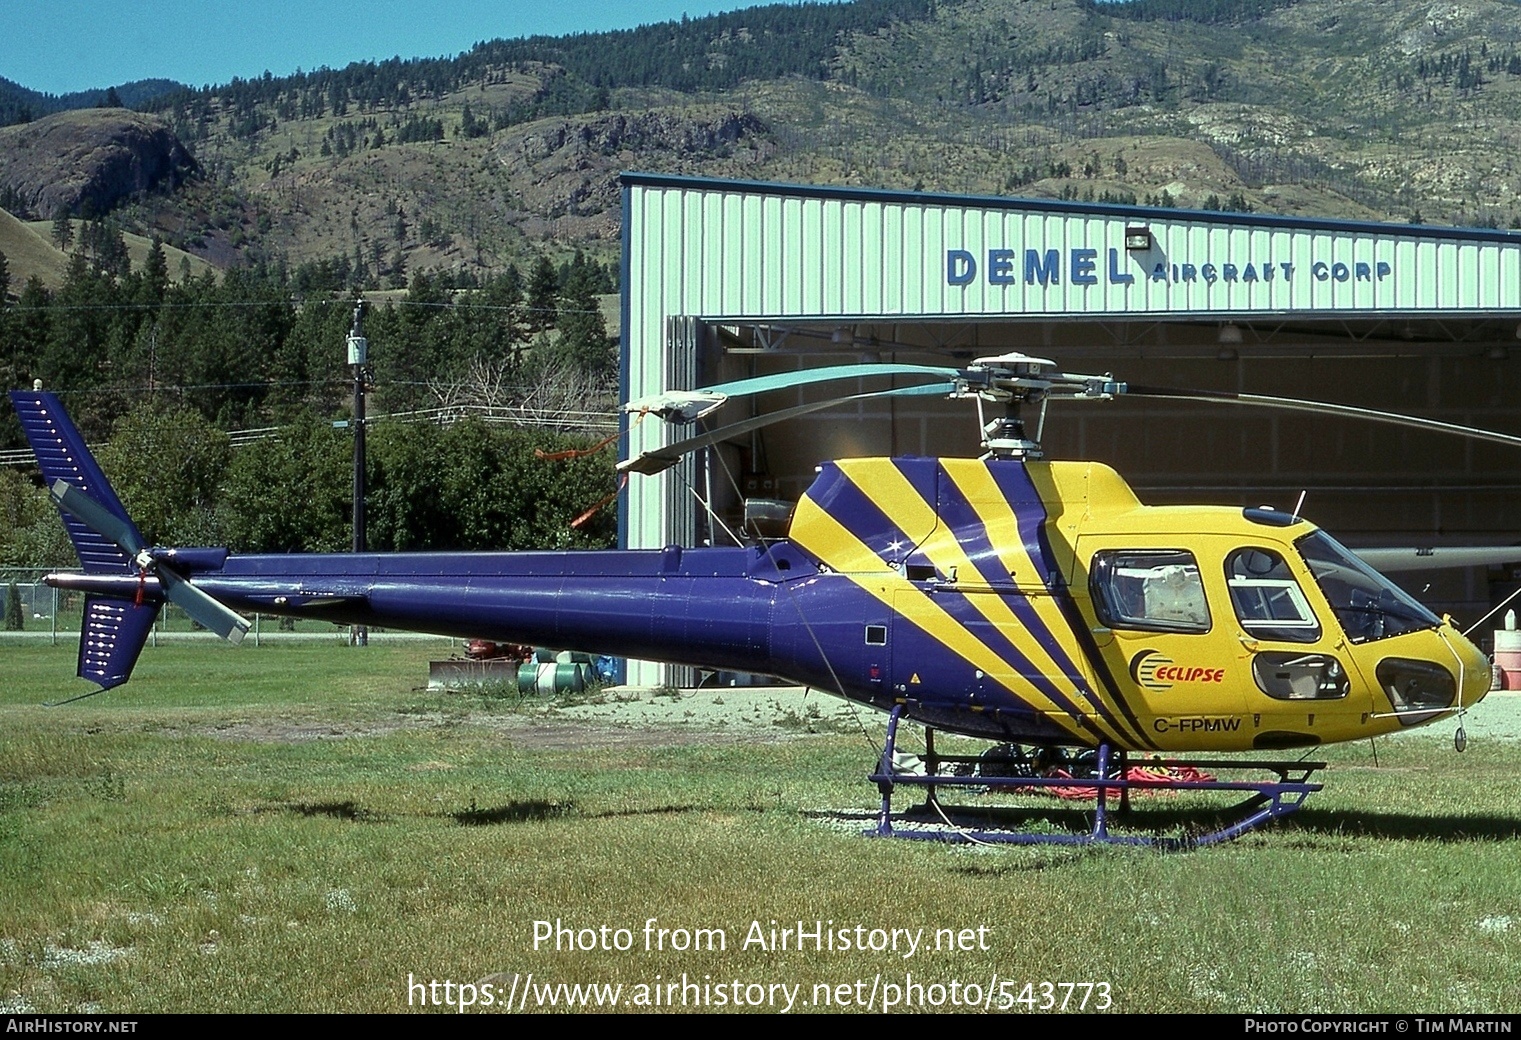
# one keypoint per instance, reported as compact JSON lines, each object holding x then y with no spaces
{"x":1266,"y":799}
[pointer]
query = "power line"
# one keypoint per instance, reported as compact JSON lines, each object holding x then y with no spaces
{"x":173,"y":388}
{"x":493,"y":415}
{"x":296,"y":304}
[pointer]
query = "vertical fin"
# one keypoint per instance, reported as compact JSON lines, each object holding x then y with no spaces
{"x":112,"y":636}
{"x":62,"y":455}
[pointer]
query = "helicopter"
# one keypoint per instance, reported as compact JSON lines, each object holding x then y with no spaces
{"x":1030,"y":602}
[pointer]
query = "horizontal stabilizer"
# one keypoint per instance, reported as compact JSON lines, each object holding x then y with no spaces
{"x":113,"y":635}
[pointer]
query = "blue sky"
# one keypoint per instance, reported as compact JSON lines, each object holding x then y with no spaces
{"x":70,"y":45}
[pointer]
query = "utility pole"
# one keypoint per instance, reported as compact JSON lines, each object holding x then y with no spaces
{"x":358,"y":355}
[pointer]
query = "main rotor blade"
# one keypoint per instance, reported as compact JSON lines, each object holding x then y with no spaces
{"x":662,"y":459}
{"x":785,"y":380}
{"x":1345,"y":411}
{"x":1392,"y":560}
{"x":96,"y":516}
{"x":686,"y":405}
{"x":209,"y":613}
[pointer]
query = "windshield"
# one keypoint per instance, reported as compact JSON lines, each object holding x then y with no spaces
{"x":1368,"y":605}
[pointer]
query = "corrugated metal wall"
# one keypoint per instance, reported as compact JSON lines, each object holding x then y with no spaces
{"x":732,"y":252}
{"x":723,"y":252}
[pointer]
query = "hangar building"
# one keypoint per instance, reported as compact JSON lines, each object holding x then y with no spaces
{"x":727,"y":279}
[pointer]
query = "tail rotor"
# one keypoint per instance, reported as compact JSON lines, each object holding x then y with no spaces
{"x":205,"y":610}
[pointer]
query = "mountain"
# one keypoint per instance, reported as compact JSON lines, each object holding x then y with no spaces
{"x":29,"y":254}
{"x":19,"y":104}
{"x":1378,"y":109}
{"x":87,"y":160}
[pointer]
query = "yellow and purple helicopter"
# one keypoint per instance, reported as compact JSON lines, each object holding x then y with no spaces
{"x":1033,"y":603}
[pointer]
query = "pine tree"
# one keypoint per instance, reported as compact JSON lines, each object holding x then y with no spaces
{"x":470,"y":126}
{"x":583,"y":337}
{"x":15,"y":619}
{"x":63,"y":230}
{"x":543,"y":296}
{"x":155,"y":273}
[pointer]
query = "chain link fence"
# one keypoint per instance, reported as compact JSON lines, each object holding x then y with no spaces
{"x":36,"y":610}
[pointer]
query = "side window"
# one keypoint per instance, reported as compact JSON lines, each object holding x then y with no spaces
{"x":1298,"y":676}
{"x":1155,"y":590}
{"x":1269,"y":603}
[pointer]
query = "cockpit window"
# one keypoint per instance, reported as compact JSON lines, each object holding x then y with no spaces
{"x":1269,"y":602}
{"x":1368,"y":605}
{"x":1158,"y":591}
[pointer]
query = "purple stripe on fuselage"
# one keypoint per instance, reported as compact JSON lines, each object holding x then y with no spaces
{"x":860,"y":514}
{"x":1029,"y":514}
{"x":1013,"y":479}
{"x":936,"y":488}
{"x":972,"y":533}
{"x":868,"y":521}
{"x":854,"y":509}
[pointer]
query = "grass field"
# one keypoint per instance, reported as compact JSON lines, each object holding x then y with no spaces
{"x":299,"y":828}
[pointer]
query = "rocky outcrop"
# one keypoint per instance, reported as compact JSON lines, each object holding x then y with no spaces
{"x":566,"y":171}
{"x":648,"y":132}
{"x":87,"y":161}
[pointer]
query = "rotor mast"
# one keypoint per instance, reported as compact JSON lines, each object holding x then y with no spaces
{"x":1014,"y":381}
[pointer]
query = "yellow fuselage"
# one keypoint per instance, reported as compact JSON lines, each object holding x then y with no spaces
{"x":1209,"y":693}
{"x":1041,"y":602}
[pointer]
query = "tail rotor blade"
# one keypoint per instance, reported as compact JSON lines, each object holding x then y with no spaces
{"x":206,"y":611}
{"x":96,"y":516}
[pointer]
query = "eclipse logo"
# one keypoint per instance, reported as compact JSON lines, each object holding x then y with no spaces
{"x":1156,"y":672}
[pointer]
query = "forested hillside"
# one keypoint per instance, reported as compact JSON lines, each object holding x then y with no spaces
{"x":20,"y":104}
{"x":1384,"y":110}
{"x":156,"y":369}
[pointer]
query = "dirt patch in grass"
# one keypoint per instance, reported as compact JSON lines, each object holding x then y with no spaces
{"x":294,"y":731}
{"x":569,"y":737}
{"x":613,"y":718}
{"x":624,"y":717}
{"x":648,"y":718}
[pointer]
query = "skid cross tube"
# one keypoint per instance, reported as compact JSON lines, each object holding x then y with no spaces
{"x":1267,"y":799}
